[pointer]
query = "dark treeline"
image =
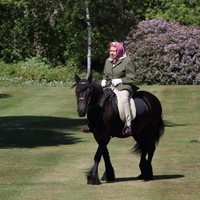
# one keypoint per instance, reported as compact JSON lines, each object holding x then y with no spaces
{"x":57,"y":29}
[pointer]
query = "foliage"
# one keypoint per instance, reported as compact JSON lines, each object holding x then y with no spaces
{"x":37,"y":70}
{"x":113,"y":21}
{"x":165,"y":52}
{"x":13,"y":32}
{"x":57,"y":29}
{"x":182,"y":11}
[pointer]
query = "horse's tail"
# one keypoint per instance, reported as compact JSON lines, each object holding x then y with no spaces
{"x":156,"y":133}
{"x":161,"y":129}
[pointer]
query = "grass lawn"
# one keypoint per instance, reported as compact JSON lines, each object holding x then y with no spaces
{"x":44,"y":155}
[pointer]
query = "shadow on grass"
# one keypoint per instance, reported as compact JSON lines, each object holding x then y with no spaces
{"x":2,"y":95}
{"x":35,"y":131}
{"x":155,"y":177}
{"x":171,"y":124}
{"x":195,"y":141}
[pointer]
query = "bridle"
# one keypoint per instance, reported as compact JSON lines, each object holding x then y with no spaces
{"x":83,"y":86}
{"x":81,"y":98}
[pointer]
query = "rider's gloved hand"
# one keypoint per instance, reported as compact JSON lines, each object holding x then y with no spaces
{"x":103,"y":83}
{"x":116,"y":81}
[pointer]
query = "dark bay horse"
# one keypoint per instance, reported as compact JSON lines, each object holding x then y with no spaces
{"x":104,"y":122}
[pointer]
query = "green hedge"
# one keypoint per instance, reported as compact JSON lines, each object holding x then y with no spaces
{"x":36,"y":70}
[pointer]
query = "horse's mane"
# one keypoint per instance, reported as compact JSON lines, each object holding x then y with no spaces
{"x":97,"y":87}
{"x":98,"y":92}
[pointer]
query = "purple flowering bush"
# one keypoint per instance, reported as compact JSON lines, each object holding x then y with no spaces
{"x":165,"y":52}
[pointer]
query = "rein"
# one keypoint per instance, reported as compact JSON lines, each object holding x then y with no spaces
{"x":84,"y":85}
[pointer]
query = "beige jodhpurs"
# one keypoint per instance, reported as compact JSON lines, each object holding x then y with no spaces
{"x":123,"y":98}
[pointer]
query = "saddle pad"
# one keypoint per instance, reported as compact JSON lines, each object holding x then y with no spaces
{"x":137,"y":105}
{"x":141,"y":107}
{"x":121,"y":108}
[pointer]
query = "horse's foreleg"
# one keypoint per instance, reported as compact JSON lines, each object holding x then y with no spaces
{"x":109,"y":174}
{"x":93,"y":176}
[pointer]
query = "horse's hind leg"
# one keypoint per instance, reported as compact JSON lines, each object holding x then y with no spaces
{"x":142,"y":165}
{"x":109,"y":174}
{"x":145,"y":163}
{"x":149,"y":159}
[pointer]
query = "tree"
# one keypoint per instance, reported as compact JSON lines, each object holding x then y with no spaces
{"x":57,"y":29}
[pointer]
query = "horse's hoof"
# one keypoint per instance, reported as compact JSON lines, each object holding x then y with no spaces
{"x":103,"y":178}
{"x":148,"y":178}
{"x":93,"y":182}
{"x":140,"y":177}
{"x":107,"y":179}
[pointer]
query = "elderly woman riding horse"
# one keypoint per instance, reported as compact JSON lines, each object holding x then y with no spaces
{"x":99,"y":104}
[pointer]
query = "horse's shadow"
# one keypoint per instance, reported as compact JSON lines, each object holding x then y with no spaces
{"x":156,"y":177}
{"x":35,"y":131}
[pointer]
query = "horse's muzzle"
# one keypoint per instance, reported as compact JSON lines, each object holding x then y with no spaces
{"x":81,"y":113}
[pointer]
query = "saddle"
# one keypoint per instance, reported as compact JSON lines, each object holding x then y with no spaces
{"x":140,"y":104}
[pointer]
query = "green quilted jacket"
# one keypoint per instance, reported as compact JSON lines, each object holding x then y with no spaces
{"x":124,"y":69}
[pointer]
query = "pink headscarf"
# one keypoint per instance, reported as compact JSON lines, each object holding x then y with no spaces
{"x":119,"y":47}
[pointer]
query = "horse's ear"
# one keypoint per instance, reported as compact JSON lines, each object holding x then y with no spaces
{"x":76,"y":78}
{"x":90,"y":78}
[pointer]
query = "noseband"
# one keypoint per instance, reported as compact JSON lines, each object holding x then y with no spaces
{"x":81,"y":98}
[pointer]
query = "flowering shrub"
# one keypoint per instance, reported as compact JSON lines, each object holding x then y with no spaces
{"x":165,"y":52}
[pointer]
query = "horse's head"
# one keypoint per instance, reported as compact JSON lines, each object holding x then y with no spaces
{"x":83,"y":94}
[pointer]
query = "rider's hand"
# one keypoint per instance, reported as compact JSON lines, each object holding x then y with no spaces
{"x":116,"y":81}
{"x":103,"y":83}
